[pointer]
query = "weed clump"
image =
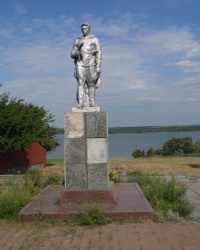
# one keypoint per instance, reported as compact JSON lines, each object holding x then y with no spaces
{"x":33,"y":181}
{"x":94,"y":215}
{"x":169,"y":201}
{"x":115,"y":176}
{"x":53,"y":179}
{"x":14,"y":195}
{"x":12,"y":201}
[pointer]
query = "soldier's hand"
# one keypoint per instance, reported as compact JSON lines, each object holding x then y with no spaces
{"x":98,"y":70}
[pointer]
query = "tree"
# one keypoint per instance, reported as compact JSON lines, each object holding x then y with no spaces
{"x":21,"y":124}
{"x":197,"y":146}
{"x":150,"y":152}
{"x":137,"y":153}
{"x":177,"y":146}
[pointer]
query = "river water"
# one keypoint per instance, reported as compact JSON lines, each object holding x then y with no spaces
{"x":122,"y":145}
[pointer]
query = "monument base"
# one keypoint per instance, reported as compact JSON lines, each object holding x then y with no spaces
{"x":103,"y":196}
{"x":129,"y":202}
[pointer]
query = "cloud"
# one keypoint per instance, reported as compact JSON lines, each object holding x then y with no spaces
{"x":19,"y":9}
{"x":189,"y":81}
{"x":27,"y":30}
{"x":170,"y":41}
{"x":142,"y":66}
{"x":187,"y":66}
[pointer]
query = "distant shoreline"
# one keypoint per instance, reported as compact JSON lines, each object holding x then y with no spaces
{"x":147,"y":129}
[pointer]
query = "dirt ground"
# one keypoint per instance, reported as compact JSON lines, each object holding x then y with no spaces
{"x":140,"y":236}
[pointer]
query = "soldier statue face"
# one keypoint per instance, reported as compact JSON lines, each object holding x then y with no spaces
{"x":85,"y":29}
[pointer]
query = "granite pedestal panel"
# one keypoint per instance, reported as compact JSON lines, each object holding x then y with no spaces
{"x":86,"y":153}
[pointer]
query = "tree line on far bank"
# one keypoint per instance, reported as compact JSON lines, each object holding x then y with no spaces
{"x":147,"y":129}
{"x":173,"y":147}
{"x":153,"y":129}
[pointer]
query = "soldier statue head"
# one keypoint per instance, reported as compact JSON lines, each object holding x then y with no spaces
{"x":85,"y":27}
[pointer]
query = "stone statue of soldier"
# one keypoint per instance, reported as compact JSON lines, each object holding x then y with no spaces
{"x":87,"y":56}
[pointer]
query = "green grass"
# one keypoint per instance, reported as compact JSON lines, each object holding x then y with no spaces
{"x":92,"y":216}
{"x":15,"y":195}
{"x":13,"y":201}
{"x":18,"y":194}
{"x":54,"y":179}
{"x":168,"y":200}
{"x":55,"y":161}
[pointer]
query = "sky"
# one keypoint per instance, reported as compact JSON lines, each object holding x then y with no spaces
{"x":150,"y":57}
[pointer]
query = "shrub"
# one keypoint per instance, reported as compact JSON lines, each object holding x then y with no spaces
{"x":176,"y":146}
{"x":150,"y":152}
{"x":169,"y":216}
{"x":163,"y":195}
{"x":17,"y":195}
{"x":53,"y":179}
{"x":197,"y":146}
{"x":33,"y":180}
{"x":153,"y":152}
{"x":12,"y":201}
{"x":137,"y":153}
{"x":157,"y":151}
{"x":115,"y":176}
{"x":93,"y":216}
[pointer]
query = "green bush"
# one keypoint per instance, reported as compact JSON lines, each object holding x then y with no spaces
{"x":137,"y":153}
{"x":163,"y":195}
{"x":197,"y":146}
{"x":177,"y":146}
{"x":174,"y":147}
{"x":53,"y":179}
{"x":153,"y":152}
{"x":12,"y":201}
{"x":150,"y":152}
{"x":93,"y":216}
{"x":33,"y":180}
{"x":115,"y":176}
{"x":169,"y":216}
{"x":16,"y":195}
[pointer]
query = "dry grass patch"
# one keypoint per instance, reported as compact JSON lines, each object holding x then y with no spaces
{"x":159,"y":166}
{"x":54,"y":166}
{"x":154,"y":166}
{"x":55,"y":169}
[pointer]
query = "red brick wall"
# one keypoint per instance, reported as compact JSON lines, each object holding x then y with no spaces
{"x":33,"y":155}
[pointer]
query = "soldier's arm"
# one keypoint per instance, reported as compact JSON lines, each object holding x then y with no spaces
{"x":75,"y":51}
{"x":98,"y":56}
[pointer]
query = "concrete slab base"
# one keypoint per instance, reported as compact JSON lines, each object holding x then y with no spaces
{"x":129,"y":202}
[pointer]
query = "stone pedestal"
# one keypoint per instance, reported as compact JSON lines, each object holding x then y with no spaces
{"x":86,"y":151}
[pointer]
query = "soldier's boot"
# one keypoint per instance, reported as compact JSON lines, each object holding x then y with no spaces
{"x":80,"y":96}
{"x":91,"y":93}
